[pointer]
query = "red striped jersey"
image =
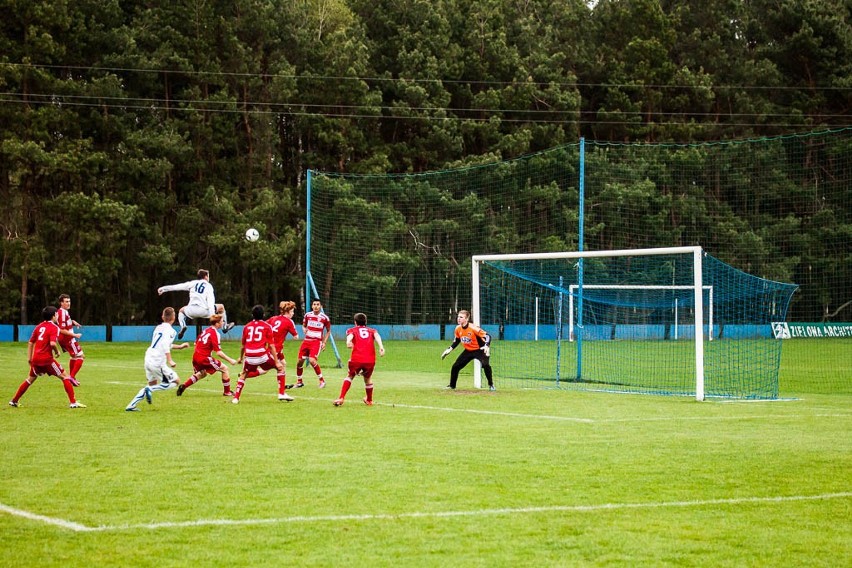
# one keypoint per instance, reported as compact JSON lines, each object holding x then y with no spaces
{"x":314,"y":325}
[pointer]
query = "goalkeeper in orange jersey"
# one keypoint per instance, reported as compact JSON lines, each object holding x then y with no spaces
{"x":477,"y":345}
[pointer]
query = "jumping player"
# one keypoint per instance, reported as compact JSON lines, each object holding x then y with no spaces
{"x":40,"y":350}
{"x":202,"y":301}
{"x":362,"y":340}
{"x":477,"y":345}
{"x":316,"y":327}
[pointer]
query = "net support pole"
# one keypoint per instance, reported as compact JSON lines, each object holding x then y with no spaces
{"x":308,"y":243}
{"x":571,"y":313}
{"x":675,"y":319}
{"x":698,"y":281}
{"x":330,"y":335}
{"x":710,"y":316}
{"x":536,"y":318}
{"x":559,"y":330}
{"x":581,"y":230}
{"x":474,"y":315}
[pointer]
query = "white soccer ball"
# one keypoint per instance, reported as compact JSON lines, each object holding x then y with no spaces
{"x":252,"y":235}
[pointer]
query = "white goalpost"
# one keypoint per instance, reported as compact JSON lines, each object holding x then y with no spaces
{"x":697,"y":287}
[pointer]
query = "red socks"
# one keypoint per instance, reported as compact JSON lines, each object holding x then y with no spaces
{"x":347,"y":382}
{"x":74,"y":366}
{"x":69,"y":390}
{"x":21,"y":390}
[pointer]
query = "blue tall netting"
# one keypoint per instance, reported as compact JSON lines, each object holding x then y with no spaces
{"x":629,"y":326}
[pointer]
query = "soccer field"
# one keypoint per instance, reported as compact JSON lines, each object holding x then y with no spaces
{"x":427,"y":477}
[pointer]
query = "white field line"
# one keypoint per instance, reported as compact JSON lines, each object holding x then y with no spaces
{"x":298,"y":394}
{"x":43,"y":519}
{"x":605,"y":507}
{"x":720,"y":418}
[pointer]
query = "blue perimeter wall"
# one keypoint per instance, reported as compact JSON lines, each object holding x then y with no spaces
{"x":118,"y":334}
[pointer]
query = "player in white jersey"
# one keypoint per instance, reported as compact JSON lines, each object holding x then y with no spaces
{"x":159,"y":364}
{"x":202,"y":301}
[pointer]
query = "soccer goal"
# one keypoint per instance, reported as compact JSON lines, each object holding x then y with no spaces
{"x":635,"y":321}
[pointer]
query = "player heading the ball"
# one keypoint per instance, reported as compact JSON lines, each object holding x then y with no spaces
{"x":202,"y":301}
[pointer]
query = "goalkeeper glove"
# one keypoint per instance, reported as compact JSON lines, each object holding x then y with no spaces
{"x":487,"y":350}
{"x":446,"y":352}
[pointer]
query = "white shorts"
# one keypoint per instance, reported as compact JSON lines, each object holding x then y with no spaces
{"x":197,"y":312}
{"x":160,"y":373}
{"x":258,"y":360}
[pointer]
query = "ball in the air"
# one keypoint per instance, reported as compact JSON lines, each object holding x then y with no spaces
{"x":252,"y":235}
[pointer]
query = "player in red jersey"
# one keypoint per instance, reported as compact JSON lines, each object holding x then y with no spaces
{"x":67,"y":337}
{"x":282,"y":326}
{"x":40,"y":350}
{"x":477,"y":345}
{"x":258,"y":351}
{"x":316,"y":327}
{"x":362,"y":340}
{"x":203,"y":361}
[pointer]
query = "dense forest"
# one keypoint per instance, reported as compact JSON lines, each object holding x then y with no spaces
{"x":140,"y":139}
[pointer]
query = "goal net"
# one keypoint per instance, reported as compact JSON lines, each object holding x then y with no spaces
{"x":636,"y":321}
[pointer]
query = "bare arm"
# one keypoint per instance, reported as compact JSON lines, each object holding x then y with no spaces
{"x":221,"y":354}
{"x":274,"y":352}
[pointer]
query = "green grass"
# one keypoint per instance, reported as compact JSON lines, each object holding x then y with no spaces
{"x":425,"y":478}
{"x":816,"y":366}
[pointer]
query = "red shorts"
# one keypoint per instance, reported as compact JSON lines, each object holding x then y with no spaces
{"x":51,"y":368}
{"x":365,"y":369}
{"x":310,"y":348}
{"x":70,"y":345}
{"x":209,"y":365}
{"x":265,"y":363}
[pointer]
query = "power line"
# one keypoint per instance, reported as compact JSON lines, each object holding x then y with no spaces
{"x":290,"y":111}
{"x":338,"y":78}
{"x":189,"y":105}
